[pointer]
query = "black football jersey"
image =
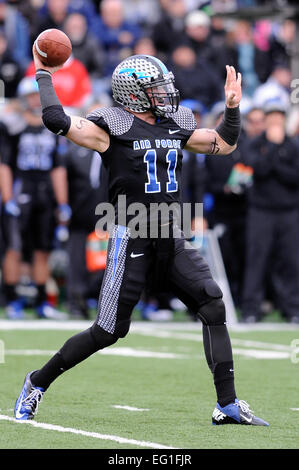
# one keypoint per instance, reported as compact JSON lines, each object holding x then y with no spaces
{"x":33,"y":153}
{"x":144,"y":160}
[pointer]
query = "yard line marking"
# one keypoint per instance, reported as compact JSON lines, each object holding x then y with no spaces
{"x":129,"y":408}
{"x":79,"y":325}
{"x":130,"y":352}
{"x":95,"y":435}
{"x":125,"y":352}
{"x":198,"y":337}
{"x":261,"y":354}
{"x":69,"y":325}
{"x":294,"y":409}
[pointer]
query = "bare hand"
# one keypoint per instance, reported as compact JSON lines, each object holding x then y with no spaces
{"x":39,"y":65}
{"x":232,"y":88}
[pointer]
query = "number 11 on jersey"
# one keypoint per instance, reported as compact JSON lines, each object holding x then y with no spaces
{"x":153,"y":185}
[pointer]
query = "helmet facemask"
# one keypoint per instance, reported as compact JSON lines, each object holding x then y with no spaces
{"x":162,"y":95}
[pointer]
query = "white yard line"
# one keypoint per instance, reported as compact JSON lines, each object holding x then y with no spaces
{"x":126,"y":352}
{"x":294,"y":409}
{"x":152,"y":329}
{"x":130,"y":352}
{"x":261,"y":354}
{"x":160,"y":333}
{"x":129,"y":408}
{"x":78,"y":325}
{"x":70,"y":325}
{"x":95,"y":435}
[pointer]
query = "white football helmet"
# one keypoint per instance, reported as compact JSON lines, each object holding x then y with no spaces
{"x":142,"y":82}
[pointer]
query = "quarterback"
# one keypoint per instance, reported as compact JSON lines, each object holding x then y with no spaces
{"x":140,"y":142}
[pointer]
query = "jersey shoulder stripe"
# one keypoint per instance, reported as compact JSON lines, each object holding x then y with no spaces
{"x":184,"y":118}
{"x":115,"y":120}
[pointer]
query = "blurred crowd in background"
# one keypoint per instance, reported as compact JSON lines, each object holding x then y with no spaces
{"x":50,"y":254}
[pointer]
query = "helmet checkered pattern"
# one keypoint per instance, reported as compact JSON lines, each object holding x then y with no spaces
{"x":118,"y":120}
{"x":128,"y":77}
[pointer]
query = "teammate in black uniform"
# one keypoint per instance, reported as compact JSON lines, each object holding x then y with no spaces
{"x":29,"y":203}
{"x":141,"y":145}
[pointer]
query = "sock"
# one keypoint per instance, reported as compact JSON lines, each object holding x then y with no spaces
{"x":10,"y":292}
{"x":219,"y":356}
{"x":224,"y":383}
{"x":41,"y":294}
{"x":45,"y":376}
{"x":75,"y":350}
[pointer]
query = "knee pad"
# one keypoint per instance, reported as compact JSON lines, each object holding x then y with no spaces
{"x":213,"y":312}
{"x":101,"y":338}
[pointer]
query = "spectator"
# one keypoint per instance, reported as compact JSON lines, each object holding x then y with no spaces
{"x":84,"y":7}
{"x":54,"y":17}
{"x":85,"y":47}
{"x":227,"y":180}
{"x":169,"y":31}
{"x":117,"y":36}
{"x":198,"y":27}
{"x":254,"y":122}
{"x":145,"y":13}
{"x":218,"y":32}
{"x":17,"y":33}
{"x":29,"y":9}
{"x":206,"y":42}
{"x":272,"y":221}
{"x":282,"y":43}
{"x":252,"y":62}
{"x":276,"y":88}
{"x":145,"y":45}
{"x":28,"y":212}
{"x":72,"y":83}
{"x":194,"y":78}
{"x":10,"y":71}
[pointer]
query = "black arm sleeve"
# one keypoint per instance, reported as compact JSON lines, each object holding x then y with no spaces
{"x":230,"y":127}
{"x":53,"y":116}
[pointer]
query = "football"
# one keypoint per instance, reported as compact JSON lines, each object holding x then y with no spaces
{"x":53,"y":47}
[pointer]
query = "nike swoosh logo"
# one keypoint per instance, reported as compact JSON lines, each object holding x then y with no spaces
{"x":19,"y":415}
{"x":249,"y":420}
{"x":173,"y":132}
{"x":136,"y":255}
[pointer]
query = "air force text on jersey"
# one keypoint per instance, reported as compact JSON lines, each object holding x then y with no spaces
{"x":157,"y":143}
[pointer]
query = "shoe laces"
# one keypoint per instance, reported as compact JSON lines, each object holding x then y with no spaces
{"x":245,"y":408}
{"x":33,"y":399}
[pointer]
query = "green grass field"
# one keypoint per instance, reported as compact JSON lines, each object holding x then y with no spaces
{"x":159,"y":369}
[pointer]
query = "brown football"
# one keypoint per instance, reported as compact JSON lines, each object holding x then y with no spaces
{"x":53,"y":47}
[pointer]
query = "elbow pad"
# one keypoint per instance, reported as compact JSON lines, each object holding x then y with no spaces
{"x":230,"y":127}
{"x":56,"y":120}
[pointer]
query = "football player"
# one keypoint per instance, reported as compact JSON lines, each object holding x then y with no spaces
{"x":141,"y":145}
{"x":30,"y":183}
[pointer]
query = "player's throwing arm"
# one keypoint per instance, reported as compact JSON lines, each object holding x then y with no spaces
{"x":77,"y":129}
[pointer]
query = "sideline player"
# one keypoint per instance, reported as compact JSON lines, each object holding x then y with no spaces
{"x":29,"y":169}
{"x":150,"y":112}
